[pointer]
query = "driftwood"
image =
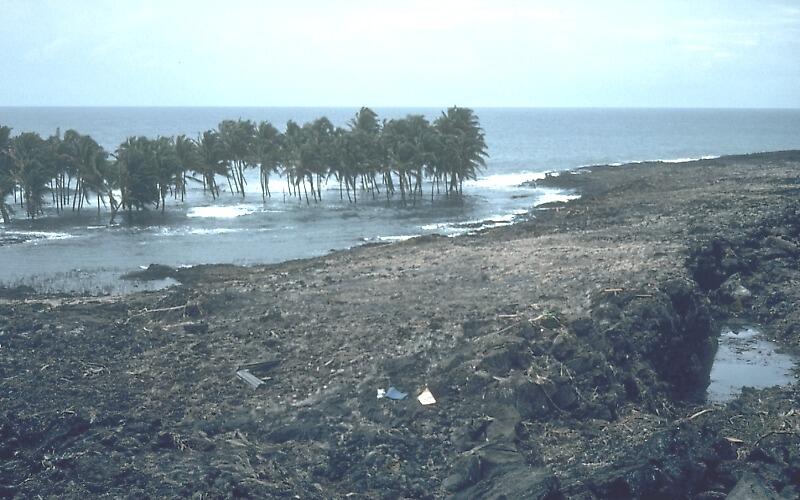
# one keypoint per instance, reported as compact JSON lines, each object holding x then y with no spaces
{"x":149,"y":311}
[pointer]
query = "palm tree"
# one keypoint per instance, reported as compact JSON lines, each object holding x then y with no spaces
{"x":366,"y":150}
{"x":463,"y":147}
{"x":267,"y":152}
{"x":188,"y":159}
{"x":7,"y":184}
{"x":341,"y":159}
{"x":237,"y":140}
{"x":137,"y":175}
{"x":167,"y":167}
{"x":409,"y":147}
{"x":318,"y":152}
{"x":403,"y":152}
{"x":64,"y":152}
{"x":80,"y":157}
{"x":33,"y":169}
{"x":295,"y":139}
{"x":211,"y":161}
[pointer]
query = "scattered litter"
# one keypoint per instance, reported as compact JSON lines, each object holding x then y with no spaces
{"x":426,"y":398}
{"x":393,"y":393}
{"x":261,"y":366}
{"x":248,"y":377}
{"x":381,"y":393}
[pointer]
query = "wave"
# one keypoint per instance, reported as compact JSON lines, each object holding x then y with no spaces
{"x":35,"y":235}
{"x":556,"y":197}
{"x":659,"y":160}
{"x":212,"y":231}
{"x":505,"y":181}
{"x":221,"y":212}
{"x":393,"y":239}
{"x":216,"y":230}
{"x":687,"y":160}
{"x":462,"y":227}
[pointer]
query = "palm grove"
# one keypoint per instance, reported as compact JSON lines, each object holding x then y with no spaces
{"x":394,"y":158}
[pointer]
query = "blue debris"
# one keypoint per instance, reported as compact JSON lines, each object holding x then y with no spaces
{"x":393,"y":393}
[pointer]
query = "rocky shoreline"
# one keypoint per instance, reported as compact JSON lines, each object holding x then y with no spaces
{"x":568,"y":355}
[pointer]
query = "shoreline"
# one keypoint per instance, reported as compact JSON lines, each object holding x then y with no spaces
{"x":101,"y":288}
{"x":567,"y":354}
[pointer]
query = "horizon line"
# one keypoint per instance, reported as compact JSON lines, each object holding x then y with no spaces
{"x":328,"y":106}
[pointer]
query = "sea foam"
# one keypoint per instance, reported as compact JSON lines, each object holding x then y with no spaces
{"x":505,"y":181}
{"x":221,"y":212}
{"x":37,"y":235}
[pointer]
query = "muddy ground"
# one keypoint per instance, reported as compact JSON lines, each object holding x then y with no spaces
{"x":568,"y":354}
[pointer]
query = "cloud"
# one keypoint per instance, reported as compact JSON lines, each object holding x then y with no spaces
{"x":387,"y":52}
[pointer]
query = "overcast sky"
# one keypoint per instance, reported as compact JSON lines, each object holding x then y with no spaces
{"x":400,"y":53}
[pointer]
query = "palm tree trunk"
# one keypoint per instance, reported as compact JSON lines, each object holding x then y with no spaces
{"x":4,"y":212}
{"x":230,"y":186}
{"x":77,"y":190}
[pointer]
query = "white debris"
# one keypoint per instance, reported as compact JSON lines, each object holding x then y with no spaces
{"x":426,"y":398}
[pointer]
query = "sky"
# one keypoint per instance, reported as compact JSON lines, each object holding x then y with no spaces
{"x":502,"y":53}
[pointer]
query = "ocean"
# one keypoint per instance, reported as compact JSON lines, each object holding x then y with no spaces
{"x":84,"y":253}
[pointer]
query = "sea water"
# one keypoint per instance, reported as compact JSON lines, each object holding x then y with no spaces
{"x":83,"y":252}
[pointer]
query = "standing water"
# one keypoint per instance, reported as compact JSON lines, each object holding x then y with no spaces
{"x":745,"y":359}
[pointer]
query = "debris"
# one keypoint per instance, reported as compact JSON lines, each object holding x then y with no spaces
{"x":248,"y":377}
{"x":381,"y":393}
{"x":701,"y":412}
{"x":393,"y":393}
{"x":426,"y":398}
{"x":261,"y":366}
{"x":150,"y":311}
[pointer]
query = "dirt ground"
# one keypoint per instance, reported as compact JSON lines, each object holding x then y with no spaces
{"x":568,"y":355}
